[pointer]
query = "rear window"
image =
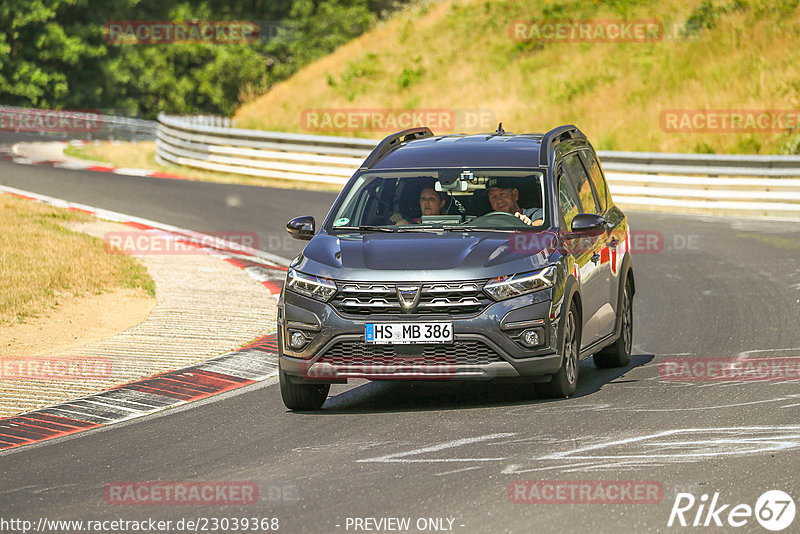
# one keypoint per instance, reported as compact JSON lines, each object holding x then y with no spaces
{"x":580,"y":179}
{"x":596,"y":175}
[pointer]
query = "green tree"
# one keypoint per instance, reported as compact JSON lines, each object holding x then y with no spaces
{"x":53,"y":53}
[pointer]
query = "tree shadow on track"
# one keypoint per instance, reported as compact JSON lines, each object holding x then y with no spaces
{"x":402,"y":396}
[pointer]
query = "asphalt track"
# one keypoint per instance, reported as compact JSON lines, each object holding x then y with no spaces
{"x":713,"y":288}
{"x":210,"y":207}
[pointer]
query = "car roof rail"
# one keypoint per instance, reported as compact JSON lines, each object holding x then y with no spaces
{"x":393,"y":141}
{"x":554,"y":137}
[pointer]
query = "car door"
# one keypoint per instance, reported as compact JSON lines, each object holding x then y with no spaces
{"x":581,"y":248}
{"x":616,"y":225}
{"x":596,"y":273}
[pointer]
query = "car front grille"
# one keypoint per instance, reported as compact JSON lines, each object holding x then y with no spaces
{"x":458,"y":353}
{"x":451,"y":298}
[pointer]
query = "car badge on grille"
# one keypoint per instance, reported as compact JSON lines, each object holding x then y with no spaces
{"x":408,"y":297}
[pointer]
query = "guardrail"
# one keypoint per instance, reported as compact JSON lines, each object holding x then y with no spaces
{"x":281,"y":155}
{"x":129,"y":129}
{"x":710,"y":164}
{"x":766,"y":185}
{"x":68,"y":124}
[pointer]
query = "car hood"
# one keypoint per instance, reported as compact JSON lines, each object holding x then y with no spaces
{"x":425,"y":256}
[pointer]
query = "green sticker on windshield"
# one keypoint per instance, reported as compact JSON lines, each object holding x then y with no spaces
{"x":341,"y":222}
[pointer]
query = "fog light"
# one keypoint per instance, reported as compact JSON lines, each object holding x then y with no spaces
{"x":297,"y":340}
{"x":530,"y":337}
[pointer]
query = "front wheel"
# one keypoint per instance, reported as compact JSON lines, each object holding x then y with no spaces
{"x":619,"y":354}
{"x":302,"y":397}
{"x":564,"y":382}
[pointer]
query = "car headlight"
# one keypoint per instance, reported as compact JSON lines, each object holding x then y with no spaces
{"x":514,"y":285}
{"x":311,"y":286}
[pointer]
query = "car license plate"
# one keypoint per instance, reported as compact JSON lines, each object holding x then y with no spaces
{"x":405,"y":333}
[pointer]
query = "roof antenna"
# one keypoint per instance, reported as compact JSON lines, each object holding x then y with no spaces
{"x":500,"y":130}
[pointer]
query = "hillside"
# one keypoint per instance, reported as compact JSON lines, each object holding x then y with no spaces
{"x":459,"y":55}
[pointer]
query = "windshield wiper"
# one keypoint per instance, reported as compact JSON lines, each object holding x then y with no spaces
{"x":478,"y":229}
{"x":428,"y":229}
{"x":367,"y":228}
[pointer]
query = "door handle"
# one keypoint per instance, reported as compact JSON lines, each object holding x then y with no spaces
{"x":595,"y":257}
{"x":613,"y":243}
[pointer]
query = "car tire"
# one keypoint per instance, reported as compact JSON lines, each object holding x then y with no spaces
{"x":302,"y":397}
{"x":619,"y":353}
{"x":564,"y":382}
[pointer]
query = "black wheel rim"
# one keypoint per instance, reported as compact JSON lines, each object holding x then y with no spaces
{"x":627,"y":322}
{"x":570,"y":350}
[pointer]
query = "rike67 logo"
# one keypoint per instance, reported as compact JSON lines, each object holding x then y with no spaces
{"x":774,"y":510}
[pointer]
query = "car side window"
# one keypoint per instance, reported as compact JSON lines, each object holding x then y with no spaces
{"x":579,"y":178}
{"x":596,"y":175}
{"x":567,"y":202}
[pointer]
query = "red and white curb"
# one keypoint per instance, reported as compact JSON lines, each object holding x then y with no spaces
{"x":252,"y":363}
{"x":11,"y":153}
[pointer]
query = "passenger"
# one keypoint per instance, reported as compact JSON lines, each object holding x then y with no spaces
{"x":431,"y":202}
{"x":504,"y":197}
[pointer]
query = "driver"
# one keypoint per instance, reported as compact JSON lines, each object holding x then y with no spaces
{"x":504,"y":197}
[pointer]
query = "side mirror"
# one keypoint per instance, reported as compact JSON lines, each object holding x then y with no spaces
{"x":588,"y":224}
{"x":301,"y":227}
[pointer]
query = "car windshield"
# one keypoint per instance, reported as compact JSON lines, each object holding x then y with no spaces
{"x":444,"y":199}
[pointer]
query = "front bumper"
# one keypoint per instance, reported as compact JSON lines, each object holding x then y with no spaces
{"x":486,"y":345}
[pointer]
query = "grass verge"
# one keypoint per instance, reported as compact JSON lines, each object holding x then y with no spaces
{"x":143,"y":156}
{"x":40,"y":261}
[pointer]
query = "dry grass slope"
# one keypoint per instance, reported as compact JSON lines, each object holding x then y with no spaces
{"x":458,"y":54}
